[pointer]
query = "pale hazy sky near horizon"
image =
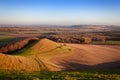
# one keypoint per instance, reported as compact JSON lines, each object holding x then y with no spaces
{"x":60,"y":12}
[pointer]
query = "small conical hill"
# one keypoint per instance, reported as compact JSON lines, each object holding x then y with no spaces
{"x":44,"y":45}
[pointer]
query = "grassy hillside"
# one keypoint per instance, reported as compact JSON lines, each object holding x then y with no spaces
{"x":34,"y":58}
{"x":44,"y":47}
{"x":21,"y":63}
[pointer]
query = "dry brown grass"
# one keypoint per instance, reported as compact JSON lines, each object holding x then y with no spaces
{"x":46,"y":49}
{"x":19,"y":63}
{"x":44,"y":45}
{"x":42,"y":52}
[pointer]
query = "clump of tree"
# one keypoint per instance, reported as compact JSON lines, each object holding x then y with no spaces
{"x":17,"y":45}
{"x":81,"y":37}
{"x":70,"y":37}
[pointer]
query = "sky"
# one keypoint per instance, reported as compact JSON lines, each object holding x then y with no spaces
{"x":60,"y":12}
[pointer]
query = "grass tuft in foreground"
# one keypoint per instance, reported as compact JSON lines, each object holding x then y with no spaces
{"x":83,"y":75}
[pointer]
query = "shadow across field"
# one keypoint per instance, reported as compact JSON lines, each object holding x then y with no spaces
{"x":27,"y":46}
{"x":75,"y":66}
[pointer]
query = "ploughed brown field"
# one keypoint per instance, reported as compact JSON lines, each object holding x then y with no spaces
{"x":90,"y":57}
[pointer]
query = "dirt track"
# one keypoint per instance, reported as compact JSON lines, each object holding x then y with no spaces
{"x":89,"y":57}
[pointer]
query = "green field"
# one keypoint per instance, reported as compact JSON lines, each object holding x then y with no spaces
{"x":65,"y":75}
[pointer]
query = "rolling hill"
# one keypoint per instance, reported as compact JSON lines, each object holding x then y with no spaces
{"x":34,"y":58}
{"x":90,"y":57}
{"x":51,"y":56}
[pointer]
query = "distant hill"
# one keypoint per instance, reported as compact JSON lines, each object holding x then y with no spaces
{"x":97,"y":27}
